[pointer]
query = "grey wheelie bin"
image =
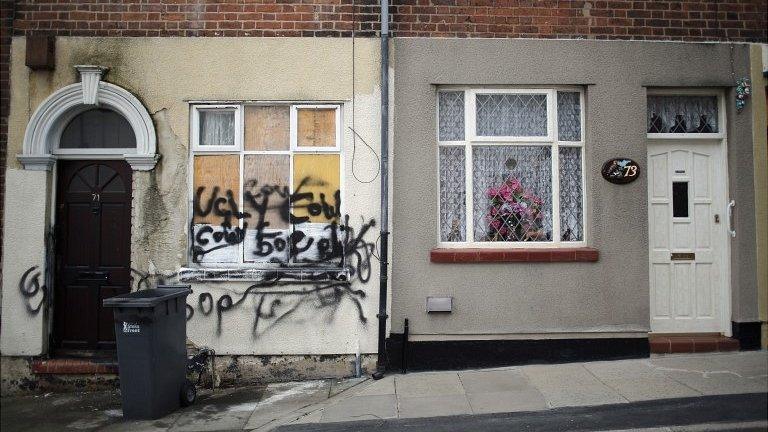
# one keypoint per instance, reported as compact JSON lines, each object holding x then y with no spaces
{"x":151,"y":332}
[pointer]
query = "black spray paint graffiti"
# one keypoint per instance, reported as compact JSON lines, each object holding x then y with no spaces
{"x":29,"y":286}
{"x":325,"y":289}
{"x":306,"y":242}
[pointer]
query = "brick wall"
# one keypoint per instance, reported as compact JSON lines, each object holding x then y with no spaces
{"x":738,"y":20}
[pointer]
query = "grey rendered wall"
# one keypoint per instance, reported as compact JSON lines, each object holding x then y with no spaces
{"x":610,"y":295}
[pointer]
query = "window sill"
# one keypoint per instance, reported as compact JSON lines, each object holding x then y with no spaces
{"x":531,"y":255}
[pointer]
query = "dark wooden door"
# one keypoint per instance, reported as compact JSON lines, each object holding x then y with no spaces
{"x":93,"y":226}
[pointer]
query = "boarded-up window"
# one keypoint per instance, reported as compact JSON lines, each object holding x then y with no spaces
{"x":270,"y":202}
{"x":267,"y":127}
{"x":316,"y":127}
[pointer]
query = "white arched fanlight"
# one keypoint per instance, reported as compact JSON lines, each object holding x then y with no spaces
{"x":41,"y":139}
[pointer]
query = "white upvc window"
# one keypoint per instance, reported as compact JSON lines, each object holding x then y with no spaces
{"x":511,"y":167}
{"x":685,"y":114}
{"x":265,"y":185}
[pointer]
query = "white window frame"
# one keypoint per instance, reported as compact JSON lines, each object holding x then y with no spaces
{"x":195,"y":127}
{"x":291,"y":151}
{"x":471,"y":139}
{"x":720,"y":134}
{"x":294,"y":129}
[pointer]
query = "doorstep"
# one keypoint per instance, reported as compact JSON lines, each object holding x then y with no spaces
{"x":74,"y":366}
{"x":678,"y":343}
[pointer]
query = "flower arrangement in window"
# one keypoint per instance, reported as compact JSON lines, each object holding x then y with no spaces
{"x":515,"y":213}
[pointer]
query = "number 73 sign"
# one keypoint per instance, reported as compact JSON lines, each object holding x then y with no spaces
{"x":620,"y":170}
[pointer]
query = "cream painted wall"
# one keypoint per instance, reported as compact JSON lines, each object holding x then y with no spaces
{"x":165,"y":74}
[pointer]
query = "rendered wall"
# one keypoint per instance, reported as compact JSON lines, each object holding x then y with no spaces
{"x":610,"y":296}
{"x":165,"y":74}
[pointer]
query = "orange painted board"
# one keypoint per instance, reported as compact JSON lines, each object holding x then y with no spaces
{"x":319,"y":175}
{"x":211,"y":171}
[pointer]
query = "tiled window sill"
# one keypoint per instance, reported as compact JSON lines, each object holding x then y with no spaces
{"x":449,"y":255}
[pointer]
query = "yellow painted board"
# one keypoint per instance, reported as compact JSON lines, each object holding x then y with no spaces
{"x":211,"y":171}
{"x":266,"y":184}
{"x":267,"y":127}
{"x":317,"y":176}
{"x":316,"y":127}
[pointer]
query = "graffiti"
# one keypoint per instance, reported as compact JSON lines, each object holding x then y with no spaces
{"x":268,"y":204}
{"x":324,"y":289}
{"x":29,"y":286}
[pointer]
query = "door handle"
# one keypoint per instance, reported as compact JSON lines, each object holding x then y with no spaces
{"x":730,"y":207}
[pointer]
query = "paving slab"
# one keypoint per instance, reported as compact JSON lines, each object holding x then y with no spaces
{"x":433,"y":406}
{"x":570,"y":385}
{"x":384,"y":386}
{"x":494,"y":381}
{"x":507,"y":401}
{"x":361,"y":408}
{"x":280,"y":400}
{"x":638,"y":380}
{"x":428,"y":384}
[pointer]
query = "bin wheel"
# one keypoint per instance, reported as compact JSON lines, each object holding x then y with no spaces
{"x":188,"y":393}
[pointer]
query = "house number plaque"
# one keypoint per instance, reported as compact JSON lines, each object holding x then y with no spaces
{"x":620,"y":170}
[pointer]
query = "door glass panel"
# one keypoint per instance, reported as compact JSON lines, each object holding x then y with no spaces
{"x":680,"y":199}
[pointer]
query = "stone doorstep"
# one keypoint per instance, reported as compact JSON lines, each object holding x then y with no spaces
{"x":69,"y":366}
{"x":691,"y":343}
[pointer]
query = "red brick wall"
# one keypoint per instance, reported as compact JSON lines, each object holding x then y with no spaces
{"x":738,"y":20}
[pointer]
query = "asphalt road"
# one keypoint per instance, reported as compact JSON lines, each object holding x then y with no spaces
{"x":729,"y":411}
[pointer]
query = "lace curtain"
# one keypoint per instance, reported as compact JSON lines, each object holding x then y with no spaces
{"x":511,"y":114}
{"x":571,"y":212}
{"x":453,"y":208}
{"x":451,"y":118}
{"x":217,"y":128}
{"x":512,"y":193}
{"x":682,"y":114}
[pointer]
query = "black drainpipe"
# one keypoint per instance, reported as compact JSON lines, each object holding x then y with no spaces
{"x":384,"y":245}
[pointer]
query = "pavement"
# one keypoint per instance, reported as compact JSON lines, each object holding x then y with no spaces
{"x":696,"y":392}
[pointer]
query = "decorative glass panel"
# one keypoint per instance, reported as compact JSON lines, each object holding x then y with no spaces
{"x":512,"y":193}
{"x":568,"y":116}
{"x":682,"y":114}
{"x":217,"y":127}
{"x":98,"y":128}
{"x":511,"y":114}
{"x":451,"y":116}
{"x":453,"y":208}
{"x":571,"y":214}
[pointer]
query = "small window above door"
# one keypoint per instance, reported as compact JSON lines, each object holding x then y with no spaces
{"x":97,"y":129}
{"x":685,"y":113}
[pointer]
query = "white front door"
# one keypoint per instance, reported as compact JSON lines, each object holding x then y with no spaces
{"x":688,"y":237}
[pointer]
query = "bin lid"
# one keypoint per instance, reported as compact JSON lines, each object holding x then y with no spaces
{"x":149,"y":297}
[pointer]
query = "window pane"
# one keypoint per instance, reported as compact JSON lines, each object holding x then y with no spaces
{"x":316,"y":127}
{"x":451,"y":116}
{"x":680,"y":199}
{"x":568,"y":116}
{"x":511,"y":114}
{"x":98,"y":128}
{"x":315,"y":209}
{"x":266,"y":191}
{"x":267,"y":127}
{"x":217,"y":127}
{"x":216,"y":231}
{"x":512,"y":193}
{"x":682,"y":114}
{"x":571,"y":214}
{"x":453,"y":208}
